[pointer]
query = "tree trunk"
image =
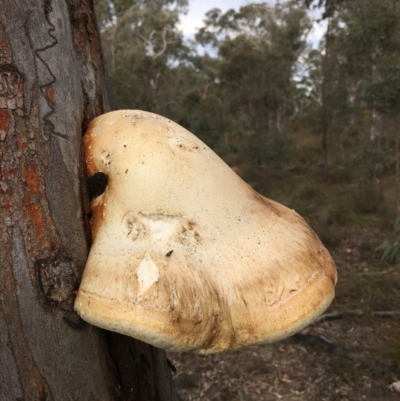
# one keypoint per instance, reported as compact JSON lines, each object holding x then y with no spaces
{"x":51,"y":85}
{"x":326,"y":70}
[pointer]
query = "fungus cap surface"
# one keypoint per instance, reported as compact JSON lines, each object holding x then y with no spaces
{"x":185,"y":254}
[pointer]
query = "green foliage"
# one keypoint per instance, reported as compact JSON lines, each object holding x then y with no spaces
{"x":371,"y":44}
{"x":258,"y":47}
{"x":329,"y":6}
{"x":274,"y":149}
{"x":146,"y":56}
{"x":391,"y":249}
{"x":373,"y":161}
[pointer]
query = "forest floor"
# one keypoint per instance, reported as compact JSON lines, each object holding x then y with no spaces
{"x":352,"y":357}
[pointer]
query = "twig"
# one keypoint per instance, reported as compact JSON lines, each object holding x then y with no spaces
{"x":386,"y":313}
{"x":390,"y":270}
{"x":353,"y":312}
{"x":149,"y":43}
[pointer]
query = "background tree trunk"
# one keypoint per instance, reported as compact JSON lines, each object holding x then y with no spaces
{"x":51,"y":86}
{"x":325,"y":88}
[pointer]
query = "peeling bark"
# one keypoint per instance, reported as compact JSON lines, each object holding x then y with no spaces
{"x":52,"y":83}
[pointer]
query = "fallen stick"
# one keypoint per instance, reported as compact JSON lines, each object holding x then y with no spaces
{"x":386,"y":313}
{"x":354,"y":312}
{"x":378,"y":273}
{"x":338,"y":315}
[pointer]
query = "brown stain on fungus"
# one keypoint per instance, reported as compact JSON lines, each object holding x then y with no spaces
{"x":91,"y":168}
{"x":272,"y":206}
{"x":97,"y":218}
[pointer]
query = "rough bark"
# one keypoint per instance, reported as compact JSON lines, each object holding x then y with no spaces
{"x":51,"y":86}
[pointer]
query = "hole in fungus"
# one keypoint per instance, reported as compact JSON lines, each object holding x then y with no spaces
{"x":97,"y":184}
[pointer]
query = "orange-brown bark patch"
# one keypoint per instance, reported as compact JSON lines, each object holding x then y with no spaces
{"x":32,"y":179}
{"x":5,"y":50}
{"x":6,"y":205}
{"x":34,"y":184}
{"x":50,"y":94}
{"x":8,"y":174}
{"x":21,"y":143}
{"x":4,"y":119}
{"x":35,"y":213}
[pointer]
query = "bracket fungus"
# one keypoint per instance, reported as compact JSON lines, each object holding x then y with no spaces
{"x":185,"y":254}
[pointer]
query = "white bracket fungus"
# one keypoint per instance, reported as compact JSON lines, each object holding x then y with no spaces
{"x":186,"y":255}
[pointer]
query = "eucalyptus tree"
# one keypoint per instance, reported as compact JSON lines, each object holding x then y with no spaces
{"x":144,"y":50}
{"x":367,"y":51}
{"x":258,"y":48}
{"x":358,"y":79}
{"x":52,"y":83}
{"x":371,"y":45}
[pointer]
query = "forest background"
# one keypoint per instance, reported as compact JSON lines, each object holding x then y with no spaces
{"x":315,"y":128}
